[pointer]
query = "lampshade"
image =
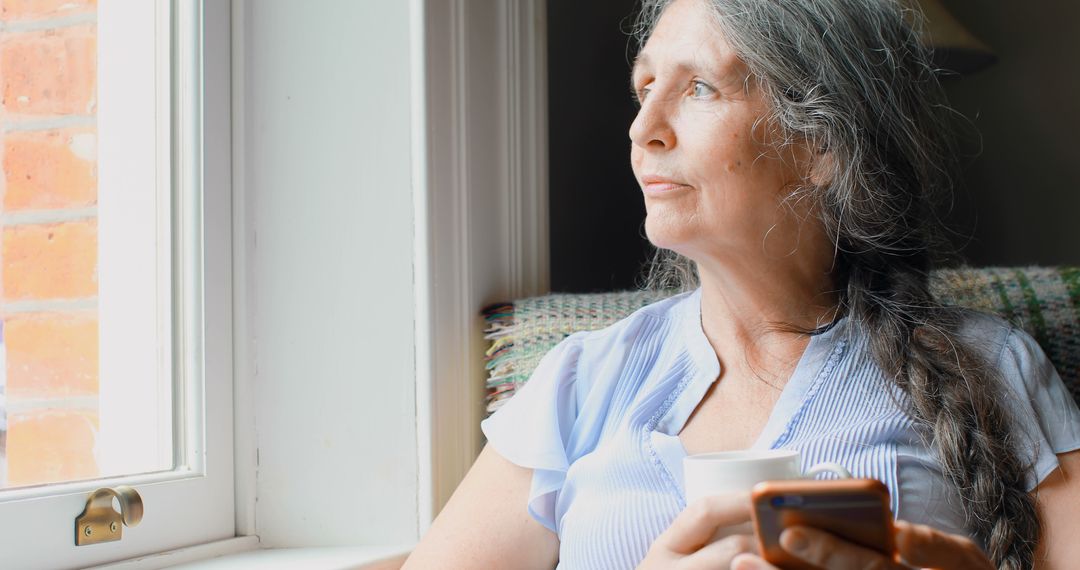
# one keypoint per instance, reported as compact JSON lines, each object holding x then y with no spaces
{"x":955,"y":48}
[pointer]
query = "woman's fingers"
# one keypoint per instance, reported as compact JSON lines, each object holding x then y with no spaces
{"x":921,"y":545}
{"x":751,"y":562}
{"x":689,"y":542}
{"x":720,"y":554}
{"x":698,"y":523}
{"x":823,"y":549}
{"x":917,"y":545}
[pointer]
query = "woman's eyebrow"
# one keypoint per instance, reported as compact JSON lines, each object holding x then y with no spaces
{"x":718,"y":70}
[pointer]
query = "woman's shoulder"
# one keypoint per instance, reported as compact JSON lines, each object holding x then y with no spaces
{"x":1039,"y":403}
{"x":987,"y":334}
{"x":579,"y":355}
{"x":560,"y":412}
{"x":1003,"y":345}
{"x":650,"y":320}
{"x":595,"y":360}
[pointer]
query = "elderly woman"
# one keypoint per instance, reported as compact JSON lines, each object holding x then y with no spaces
{"x":787,"y":153}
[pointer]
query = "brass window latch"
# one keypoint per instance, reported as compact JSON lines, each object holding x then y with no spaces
{"x":99,"y":521}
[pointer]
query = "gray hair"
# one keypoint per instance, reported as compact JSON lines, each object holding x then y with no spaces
{"x":852,"y":79}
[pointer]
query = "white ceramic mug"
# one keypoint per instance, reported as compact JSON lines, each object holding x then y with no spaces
{"x":725,"y":472}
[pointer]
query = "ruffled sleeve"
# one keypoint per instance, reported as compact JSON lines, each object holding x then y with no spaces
{"x":533,"y":428}
{"x":1041,"y":405}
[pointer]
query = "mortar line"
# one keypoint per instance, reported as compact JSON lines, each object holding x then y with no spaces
{"x":49,"y":123}
{"x":84,"y":304}
{"x":38,"y":217}
{"x":66,"y":403}
{"x":18,"y":27}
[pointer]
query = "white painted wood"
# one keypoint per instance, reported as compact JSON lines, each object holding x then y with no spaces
{"x":524,"y":48}
{"x":194,"y":503}
{"x":317,"y":558}
{"x":327,"y":178}
{"x":478,"y":168}
{"x":221,"y":550}
{"x":481,"y":210}
{"x":217,"y":287}
{"x":135,"y":259}
{"x":243,"y":243}
{"x":419,"y":39}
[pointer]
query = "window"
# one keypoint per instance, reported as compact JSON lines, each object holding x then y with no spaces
{"x":116,"y":284}
{"x":338,"y":351}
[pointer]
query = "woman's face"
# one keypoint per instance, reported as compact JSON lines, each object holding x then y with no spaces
{"x":714,"y":187}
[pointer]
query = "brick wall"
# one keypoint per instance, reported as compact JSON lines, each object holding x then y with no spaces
{"x":48,"y":240}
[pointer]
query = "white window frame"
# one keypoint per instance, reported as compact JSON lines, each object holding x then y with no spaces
{"x":194,"y":505}
{"x":480,"y":159}
{"x":479,"y":179}
{"x":478,"y":154}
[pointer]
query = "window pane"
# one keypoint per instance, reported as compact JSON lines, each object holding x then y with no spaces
{"x":85,"y":385}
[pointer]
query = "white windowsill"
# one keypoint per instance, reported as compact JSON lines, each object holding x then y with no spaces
{"x":324,"y":558}
{"x":243,"y":553}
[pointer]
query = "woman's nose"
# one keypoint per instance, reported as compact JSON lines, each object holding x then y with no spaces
{"x":652,"y":126}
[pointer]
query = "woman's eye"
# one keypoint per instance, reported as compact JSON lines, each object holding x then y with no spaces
{"x":701,"y":89}
{"x":641,"y":94}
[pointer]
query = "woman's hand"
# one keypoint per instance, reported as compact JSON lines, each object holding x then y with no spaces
{"x":688,"y":542}
{"x":917,"y":545}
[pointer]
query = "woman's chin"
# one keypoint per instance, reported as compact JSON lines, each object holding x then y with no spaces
{"x":665,"y":234}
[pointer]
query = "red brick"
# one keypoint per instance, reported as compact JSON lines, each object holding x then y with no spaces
{"x":50,"y":261}
{"x":50,"y":169}
{"x":51,"y":355}
{"x":53,"y":72}
{"x":47,"y":446}
{"x":38,"y":9}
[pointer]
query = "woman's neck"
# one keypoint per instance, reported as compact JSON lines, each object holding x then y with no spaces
{"x":752,"y":308}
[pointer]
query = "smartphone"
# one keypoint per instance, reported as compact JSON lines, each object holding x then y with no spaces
{"x":856,"y":510}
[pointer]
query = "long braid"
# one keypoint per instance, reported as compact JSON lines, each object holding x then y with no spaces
{"x":951,"y":392}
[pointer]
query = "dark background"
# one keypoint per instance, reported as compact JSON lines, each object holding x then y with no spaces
{"x":1019,"y":198}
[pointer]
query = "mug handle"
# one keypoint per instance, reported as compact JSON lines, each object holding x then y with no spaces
{"x":828,"y":467}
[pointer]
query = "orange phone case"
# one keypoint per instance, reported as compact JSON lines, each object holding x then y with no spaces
{"x":856,"y":510}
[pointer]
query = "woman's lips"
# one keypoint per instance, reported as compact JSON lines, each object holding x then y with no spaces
{"x":660,"y":186}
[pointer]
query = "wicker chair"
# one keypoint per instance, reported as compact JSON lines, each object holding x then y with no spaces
{"x":1044,"y":301}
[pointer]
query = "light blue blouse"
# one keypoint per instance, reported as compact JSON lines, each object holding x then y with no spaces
{"x":598,"y":424}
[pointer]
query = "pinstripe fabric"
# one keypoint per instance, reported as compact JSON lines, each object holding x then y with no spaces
{"x":598,"y":423}
{"x":850,"y":416}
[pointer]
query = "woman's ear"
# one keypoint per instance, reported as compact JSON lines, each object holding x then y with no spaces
{"x":814,"y":164}
{"x":823,"y":169}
